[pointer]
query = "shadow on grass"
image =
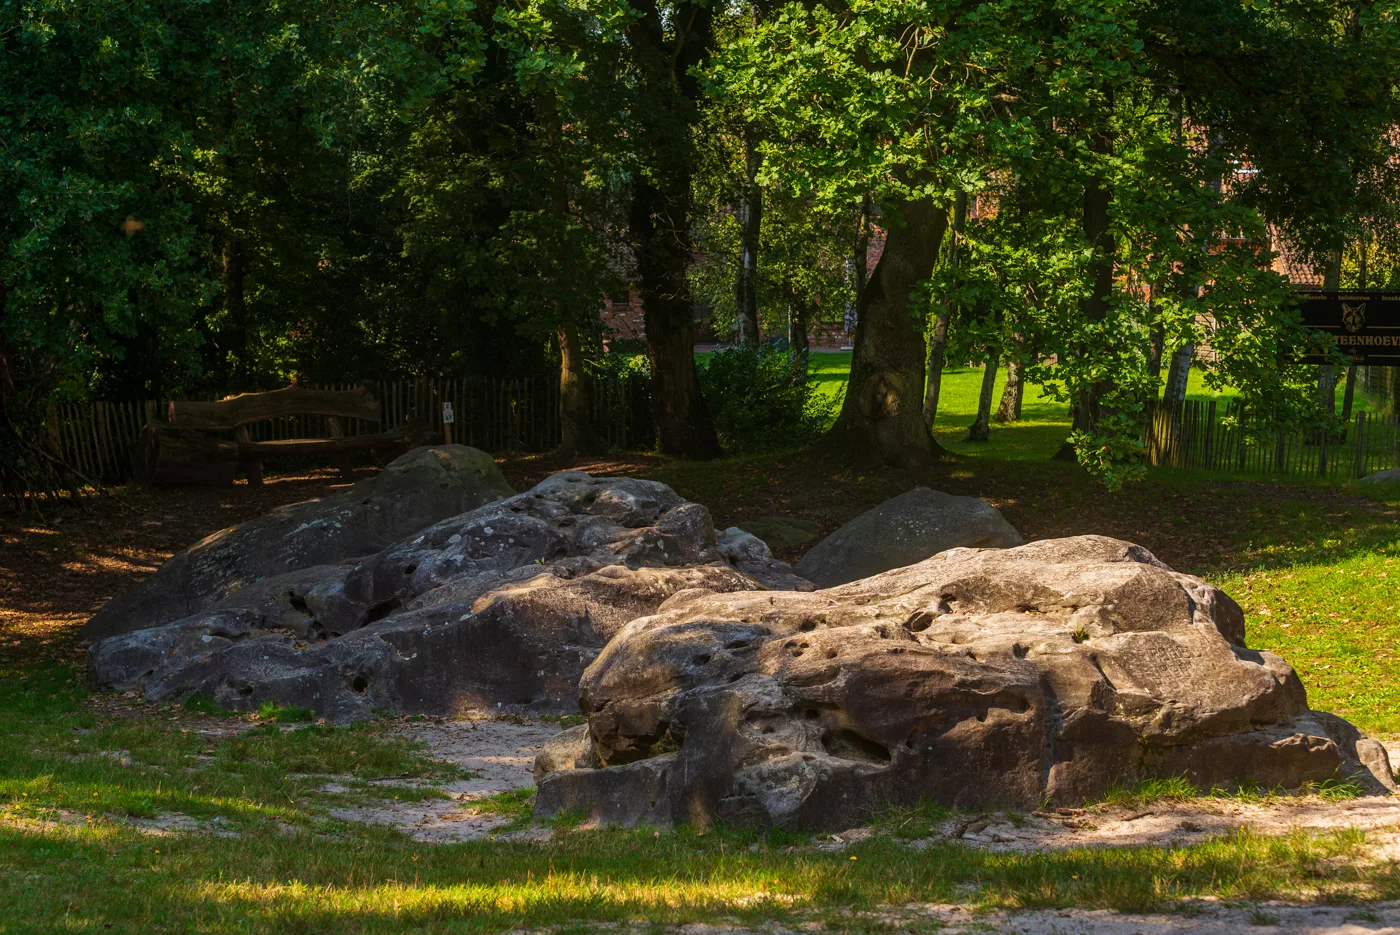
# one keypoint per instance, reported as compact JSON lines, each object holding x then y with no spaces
{"x":317,"y":882}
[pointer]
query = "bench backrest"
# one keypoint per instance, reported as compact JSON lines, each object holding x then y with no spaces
{"x":246,"y":408}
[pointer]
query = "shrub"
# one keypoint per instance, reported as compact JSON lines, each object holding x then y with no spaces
{"x":763,"y":398}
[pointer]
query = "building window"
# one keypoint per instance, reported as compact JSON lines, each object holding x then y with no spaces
{"x":621,"y":301}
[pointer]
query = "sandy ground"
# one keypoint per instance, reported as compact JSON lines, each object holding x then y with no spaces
{"x":1173,"y":823}
{"x":1197,"y":918}
{"x":498,"y":752}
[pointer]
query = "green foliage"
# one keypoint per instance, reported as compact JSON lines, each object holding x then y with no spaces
{"x":517,"y":806}
{"x":763,"y":398}
{"x":913,"y":822}
{"x":1150,"y":792}
{"x":1036,"y":106}
{"x":290,"y":714}
{"x":204,"y":197}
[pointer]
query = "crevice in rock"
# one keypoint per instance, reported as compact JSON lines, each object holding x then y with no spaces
{"x":381,"y":610}
{"x":918,"y":621}
{"x":846,"y":744}
{"x":1054,"y":721}
{"x":1102,"y":674}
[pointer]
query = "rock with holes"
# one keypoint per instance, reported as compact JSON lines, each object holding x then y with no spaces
{"x":419,"y":488}
{"x":903,"y":530}
{"x":976,"y":678}
{"x":504,"y":605}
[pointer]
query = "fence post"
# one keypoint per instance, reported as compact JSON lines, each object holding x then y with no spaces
{"x":1322,"y":453}
{"x":1210,"y":436}
{"x":1359,"y":431}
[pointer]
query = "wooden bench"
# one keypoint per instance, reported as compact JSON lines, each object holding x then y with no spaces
{"x":183,"y":452}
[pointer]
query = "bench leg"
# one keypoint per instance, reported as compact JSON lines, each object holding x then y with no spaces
{"x":342,"y":464}
{"x":254,"y":471}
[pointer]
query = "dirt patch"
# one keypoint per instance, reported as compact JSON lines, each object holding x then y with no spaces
{"x":1195,"y":918}
{"x":1167,"y":824}
{"x":1200,"y":919}
{"x":56,"y":574}
{"x":498,"y":752}
{"x":164,"y":826}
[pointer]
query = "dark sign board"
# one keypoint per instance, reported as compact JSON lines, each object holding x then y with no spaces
{"x":1365,"y":325}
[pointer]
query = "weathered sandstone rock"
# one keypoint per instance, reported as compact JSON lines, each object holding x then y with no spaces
{"x":903,"y":530}
{"x":502,"y":605}
{"x":419,"y":488}
{"x":977,"y":678}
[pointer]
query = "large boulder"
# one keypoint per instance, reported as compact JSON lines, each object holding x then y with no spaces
{"x":413,"y":491}
{"x":903,"y":530}
{"x":502,"y":605}
{"x":781,"y":532}
{"x":1387,"y":476}
{"x":977,"y":678}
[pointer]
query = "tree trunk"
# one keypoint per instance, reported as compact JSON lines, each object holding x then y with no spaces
{"x":666,"y":108}
{"x":1156,"y":345}
{"x":1349,"y":395}
{"x":577,"y":434}
{"x":1157,"y":337}
{"x":799,"y":322}
{"x":1098,"y":198}
{"x":881,"y":416}
{"x":861,"y":260}
{"x":1177,"y":374}
{"x":940,"y":324}
{"x":683,"y":423}
{"x":750,"y":221}
{"x":1011,"y":394}
{"x":1327,"y":389}
{"x":936,"y":347}
{"x":981,"y":429}
{"x":1326,"y":373}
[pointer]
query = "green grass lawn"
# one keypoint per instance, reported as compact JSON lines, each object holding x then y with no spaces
{"x":1044,"y":424}
{"x":71,"y":861}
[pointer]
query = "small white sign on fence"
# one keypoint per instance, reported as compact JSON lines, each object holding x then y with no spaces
{"x":447,"y":416}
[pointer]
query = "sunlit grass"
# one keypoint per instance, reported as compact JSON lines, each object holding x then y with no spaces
{"x":376,"y":882}
{"x":1044,"y":421}
{"x":1338,"y":623}
{"x":56,"y":754}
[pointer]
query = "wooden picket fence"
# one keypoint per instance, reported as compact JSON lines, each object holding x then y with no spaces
{"x":1196,"y":435}
{"x":495,"y":415}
